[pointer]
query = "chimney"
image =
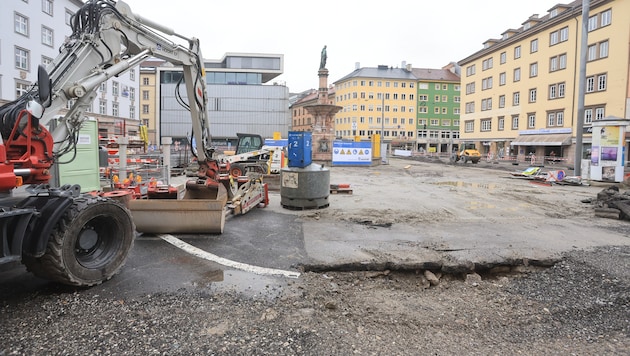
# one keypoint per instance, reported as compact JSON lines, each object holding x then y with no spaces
{"x":357,"y":65}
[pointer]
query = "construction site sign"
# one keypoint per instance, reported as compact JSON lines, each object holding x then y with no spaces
{"x":352,"y":153}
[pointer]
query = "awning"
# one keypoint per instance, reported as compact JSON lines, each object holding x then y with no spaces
{"x":542,"y":140}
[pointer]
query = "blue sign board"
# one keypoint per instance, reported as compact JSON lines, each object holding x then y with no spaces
{"x":352,"y":153}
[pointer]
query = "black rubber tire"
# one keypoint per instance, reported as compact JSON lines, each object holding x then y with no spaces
{"x":464,"y":159}
{"x":89,"y":245}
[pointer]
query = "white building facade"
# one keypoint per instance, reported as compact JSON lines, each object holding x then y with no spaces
{"x":32,"y":33}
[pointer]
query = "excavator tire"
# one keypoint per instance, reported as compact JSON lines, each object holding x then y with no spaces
{"x":89,"y":244}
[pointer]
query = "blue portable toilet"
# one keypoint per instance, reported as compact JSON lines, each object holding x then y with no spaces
{"x":300,"y":148}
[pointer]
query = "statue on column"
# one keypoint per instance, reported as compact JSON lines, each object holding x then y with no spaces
{"x":322,"y":62}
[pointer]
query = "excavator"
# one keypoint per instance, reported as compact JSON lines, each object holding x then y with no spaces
{"x":59,"y":233}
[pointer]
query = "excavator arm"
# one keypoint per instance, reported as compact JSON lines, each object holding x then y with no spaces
{"x":107,"y":40}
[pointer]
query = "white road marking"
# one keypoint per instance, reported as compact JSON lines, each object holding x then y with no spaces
{"x":224,"y":261}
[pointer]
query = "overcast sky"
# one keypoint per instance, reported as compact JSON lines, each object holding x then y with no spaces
{"x":426,"y":34}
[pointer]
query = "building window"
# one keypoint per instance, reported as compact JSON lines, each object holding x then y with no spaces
{"x":145,"y":95}
{"x":502,"y":78}
{"x":606,"y":18}
{"x":47,"y":36}
{"x":558,"y":62}
{"x":470,"y":88}
{"x":501,"y":123}
{"x":469,"y":126}
{"x":515,"y":122}
{"x":531,"y":121}
{"x":132,"y":94}
{"x":21,"y":88}
{"x":132,"y":112}
{"x":592,"y":23}
{"x":564,"y":34}
{"x":533,"y":70}
{"x":603,"y":49}
{"x":437,"y":86}
{"x":444,"y":86}
{"x":517,"y":52}
{"x":102,"y":107}
{"x":486,"y":125}
{"x":46,"y":61}
{"x":599,"y":113}
{"x":532,"y":95}
{"x":556,"y":91}
{"x":22,"y":58}
{"x":21,"y":24}
{"x":502,"y":101}
{"x":551,"y":119}
{"x":598,"y":50}
{"x":145,"y":109}
{"x":486,"y":104}
{"x":145,"y":81}
{"x":516,"y":98}
{"x":601,"y":82}
{"x":68,"y":17}
{"x":503,"y":57}
{"x":533,"y":46}
{"x":560,"y":118}
{"x":47,"y":7}
{"x":486,"y":83}
{"x":588,"y":116}
{"x":486,"y":64}
{"x":132,"y":75}
{"x":115,"y":88}
{"x":517,"y":74}
{"x":470,"y":70}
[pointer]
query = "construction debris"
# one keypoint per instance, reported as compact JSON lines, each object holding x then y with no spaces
{"x":550,"y":177}
{"x":611,"y":203}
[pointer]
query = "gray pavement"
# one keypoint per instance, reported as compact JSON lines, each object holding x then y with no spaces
{"x":323,"y":239}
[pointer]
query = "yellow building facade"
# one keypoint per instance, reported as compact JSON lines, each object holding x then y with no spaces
{"x":148,"y":99}
{"x":375,"y":100}
{"x":519,"y":94}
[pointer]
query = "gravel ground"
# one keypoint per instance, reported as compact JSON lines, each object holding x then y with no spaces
{"x":581,"y":306}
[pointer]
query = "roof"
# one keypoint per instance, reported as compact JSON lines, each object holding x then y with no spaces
{"x":434,"y":75}
{"x":537,"y":24}
{"x":381,"y":72}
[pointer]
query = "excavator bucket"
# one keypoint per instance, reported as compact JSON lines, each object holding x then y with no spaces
{"x":202,"y":210}
{"x":199,"y":190}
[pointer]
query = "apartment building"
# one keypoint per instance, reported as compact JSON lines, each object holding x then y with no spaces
{"x":377,"y":100}
{"x":32,"y":33}
{"x":520,"y":92}
{"x":438,"y":109}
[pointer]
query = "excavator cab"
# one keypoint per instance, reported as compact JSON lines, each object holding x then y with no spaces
{"x":248,"y":142}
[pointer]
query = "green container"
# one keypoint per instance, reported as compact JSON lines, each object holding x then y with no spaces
{"x":83,"y":170}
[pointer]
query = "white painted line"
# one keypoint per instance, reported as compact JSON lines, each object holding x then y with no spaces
{"x":224,"y":261}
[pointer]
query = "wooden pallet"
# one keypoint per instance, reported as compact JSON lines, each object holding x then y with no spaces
{"x":340,"y":189}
